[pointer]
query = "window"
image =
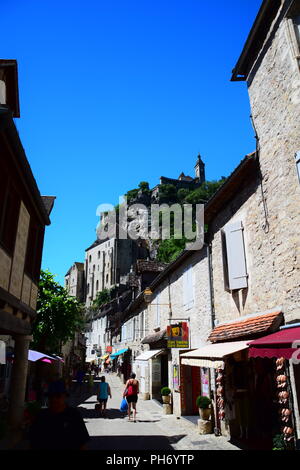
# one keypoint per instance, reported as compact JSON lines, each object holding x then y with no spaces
{"x":98,"y":254}
{"x":297,"y":157}
{"x":10,"y":219}
{"x":34,"y":250}
{"x":296,"y":21}
{"x":97,"y":286}
{"x":188,"y":288}
{"x":94,"y":268}
{"x":293,"y":29}
{"x":90,"y":258}
{"x":234,"y":259}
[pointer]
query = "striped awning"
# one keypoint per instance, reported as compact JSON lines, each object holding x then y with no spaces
{"x":212,"y":355}
{"x":105,"y":356}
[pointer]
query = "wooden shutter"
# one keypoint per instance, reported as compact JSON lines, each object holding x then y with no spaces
{"x":236,"y":260}
{"x":188,"y":288}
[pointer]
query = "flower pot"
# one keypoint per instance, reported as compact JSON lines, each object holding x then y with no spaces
{"x":166,"y":399}
{"x":204,"y":413}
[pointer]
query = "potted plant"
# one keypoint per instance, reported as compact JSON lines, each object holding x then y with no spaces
{"x":203,"y":403}
{"x":165,"y":393}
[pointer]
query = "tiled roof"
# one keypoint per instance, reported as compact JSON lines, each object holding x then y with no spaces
{"x":251,"y":327}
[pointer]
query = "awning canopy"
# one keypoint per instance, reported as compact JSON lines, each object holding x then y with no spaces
{"x":122,"y":351}
{"x":145,"y":356}
{"x":279,"y":344}
{"x":105,"y":356}
{"x":155,"y":337}
{"x":34,"y":356}
{"x":2,"y":352}
{"x":212,"y":355}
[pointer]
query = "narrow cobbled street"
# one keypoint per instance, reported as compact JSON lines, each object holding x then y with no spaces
{"x":152,"y":431}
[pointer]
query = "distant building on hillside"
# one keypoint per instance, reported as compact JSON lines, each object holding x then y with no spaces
{"x":183,"y":181}
{"x":74,"y":281}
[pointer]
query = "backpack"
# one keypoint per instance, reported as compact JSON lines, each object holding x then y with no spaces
{"x":131,"y":389}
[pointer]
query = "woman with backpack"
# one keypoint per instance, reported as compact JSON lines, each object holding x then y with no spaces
{"x":131,"y":394}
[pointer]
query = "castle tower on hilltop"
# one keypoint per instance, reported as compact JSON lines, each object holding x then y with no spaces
{"x":200,"y":170}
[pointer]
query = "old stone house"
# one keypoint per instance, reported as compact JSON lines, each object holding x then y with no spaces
{"x":107,"y":264}
{"x":180,"y":293}
{"x":254,"y":241}
{"x":74,"y":281}
{"x":24,"y":213}
{"x":74,"y":350}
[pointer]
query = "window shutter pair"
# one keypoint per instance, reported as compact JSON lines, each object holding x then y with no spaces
{"x":235,"y":269}
{"x":188,"y":288}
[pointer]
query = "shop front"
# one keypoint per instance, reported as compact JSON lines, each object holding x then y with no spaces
{"x":200,"y":371}
{"x":281,"y":349}
{"x":148,"y":369}
{"x":121,"y":363}
{"x":243,"y":388}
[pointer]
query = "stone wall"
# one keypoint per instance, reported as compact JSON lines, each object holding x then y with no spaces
{"x":269,"y":211}
{"x":199,"y":313}
{"x":274,"y":90}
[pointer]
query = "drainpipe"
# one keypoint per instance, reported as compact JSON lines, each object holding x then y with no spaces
{"x":217,"y":429}
{"x":210,"y":281}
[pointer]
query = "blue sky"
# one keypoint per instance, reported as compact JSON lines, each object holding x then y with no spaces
{"x":117,"y":92}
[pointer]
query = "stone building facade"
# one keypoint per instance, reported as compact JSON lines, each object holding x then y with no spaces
{"x":270,"y":66}
{"x":74,"y":281}
{"x":180,"y":293}
{"x":74,"y":350}
{"x":107,"y":264}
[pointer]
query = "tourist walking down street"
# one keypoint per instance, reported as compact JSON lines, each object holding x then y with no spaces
{"x":131,"y":394}
{"x":79,"y":379}
{"x":102,"y":397}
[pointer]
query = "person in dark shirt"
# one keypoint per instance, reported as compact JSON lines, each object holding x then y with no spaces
{"x":59,"y":427}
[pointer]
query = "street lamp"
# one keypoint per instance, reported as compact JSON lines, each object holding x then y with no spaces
{"x":148,"y":295}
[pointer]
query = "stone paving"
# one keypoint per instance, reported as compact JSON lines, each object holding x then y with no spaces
{"x":153,"y":429}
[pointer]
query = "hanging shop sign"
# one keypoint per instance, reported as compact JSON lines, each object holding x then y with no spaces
{"x":108,"y":349}
{"x":178,"y":335}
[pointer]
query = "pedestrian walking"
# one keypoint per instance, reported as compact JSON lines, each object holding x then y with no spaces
{"x":58,"y":427}
{"x":79,"y":379}
{"x":102,"y":397}
{"x":91,"y":381}
{"x":131,"y":394}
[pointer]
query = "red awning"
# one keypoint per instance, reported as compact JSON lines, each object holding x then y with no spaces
{"x":276,"y":345}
